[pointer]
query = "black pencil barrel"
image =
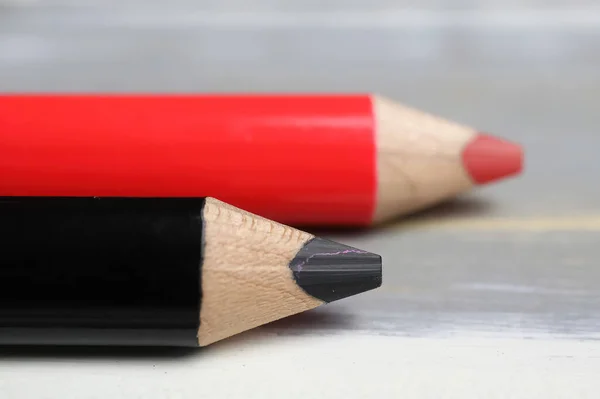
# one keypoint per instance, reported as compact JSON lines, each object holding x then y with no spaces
{"x":91,"y":271}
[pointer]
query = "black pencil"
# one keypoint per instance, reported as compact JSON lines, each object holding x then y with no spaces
{"x":164,"y":272}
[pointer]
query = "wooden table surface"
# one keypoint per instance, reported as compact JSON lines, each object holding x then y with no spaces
{"x":494,"y":295}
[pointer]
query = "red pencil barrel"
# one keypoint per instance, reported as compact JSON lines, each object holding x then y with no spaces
{"x":306,"y":159}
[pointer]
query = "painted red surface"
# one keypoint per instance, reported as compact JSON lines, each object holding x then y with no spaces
{"x":306,"y":159}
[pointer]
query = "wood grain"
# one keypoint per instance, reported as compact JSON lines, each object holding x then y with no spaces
{"x":419,"y":158}
{"x":240,"y":289}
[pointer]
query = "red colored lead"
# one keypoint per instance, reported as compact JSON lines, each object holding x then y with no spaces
{"x":488,"y":158}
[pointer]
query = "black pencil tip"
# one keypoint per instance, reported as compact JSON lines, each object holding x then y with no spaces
{"x":330,"y":271}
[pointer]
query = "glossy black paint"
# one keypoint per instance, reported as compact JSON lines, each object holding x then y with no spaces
{"x":100,"y":271}
{"x":330,"y":271}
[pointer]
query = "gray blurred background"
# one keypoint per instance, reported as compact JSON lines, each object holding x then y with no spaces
{"x":516,"y":259}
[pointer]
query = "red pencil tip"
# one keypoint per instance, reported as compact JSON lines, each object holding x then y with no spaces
{"x":487,"y":158}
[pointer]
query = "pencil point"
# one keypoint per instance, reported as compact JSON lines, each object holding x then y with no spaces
{"x":330,"y":271}
{"x":487,"y":158}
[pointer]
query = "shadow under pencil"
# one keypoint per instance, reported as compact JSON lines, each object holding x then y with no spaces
{"x":461,"y":206}
{"x":306,"y":323}
{"x":40,"y":352}
{"x":299,"y":324}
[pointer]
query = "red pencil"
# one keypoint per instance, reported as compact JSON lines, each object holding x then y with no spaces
{"x":298,"y":159}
